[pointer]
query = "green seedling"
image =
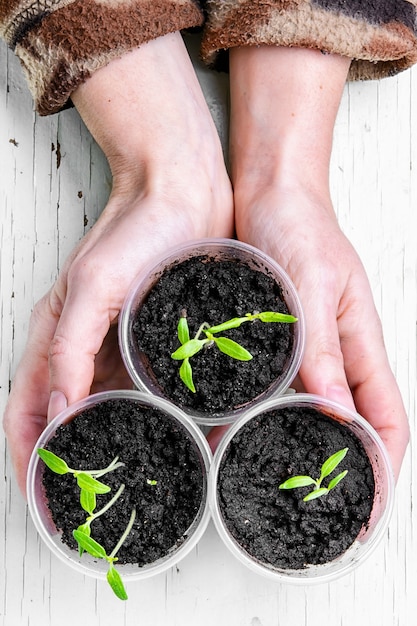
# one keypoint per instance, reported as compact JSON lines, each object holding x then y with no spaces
{"x":87,"y":481}
{"x":90,"y":488}
{"x":326,"y":469}
{"x":191,"y":346}
{"x":96,"y":550}
{"x":85,"y":528}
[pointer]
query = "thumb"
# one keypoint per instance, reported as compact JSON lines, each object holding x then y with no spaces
{"x":57,"y":402}
{"x":322,"y":371}
{"x":79,"y":335}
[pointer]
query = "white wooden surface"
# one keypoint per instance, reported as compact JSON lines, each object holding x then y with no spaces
{"x":53,"y":183}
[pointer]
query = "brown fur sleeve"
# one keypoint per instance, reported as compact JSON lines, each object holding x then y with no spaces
{"x":379,"y":35}
{"x":61,"y":42}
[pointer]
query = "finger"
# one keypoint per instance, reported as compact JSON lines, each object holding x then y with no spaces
{"x":322,"y":371}
{"x":26,"y":410}
{"x":346,"y":361}
{"x":375,"y":390}
{"x":83,"y":324}
{"x":109,"y":369}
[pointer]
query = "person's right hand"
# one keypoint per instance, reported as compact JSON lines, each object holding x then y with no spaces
{"x":170,"y":185}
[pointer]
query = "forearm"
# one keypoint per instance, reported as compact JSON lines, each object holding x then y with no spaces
{"x":148,"y":113}
{"x":284,"y":105}
{"x":131,"y":104}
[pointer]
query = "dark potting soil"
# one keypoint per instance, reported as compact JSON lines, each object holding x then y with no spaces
{"x":214,"y":292}
{"x":275,"y":526}
{"x":153,"y":447}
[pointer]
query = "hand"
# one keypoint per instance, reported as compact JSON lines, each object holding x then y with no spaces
{"x":170,"y":185}
{"x":283,"y":107}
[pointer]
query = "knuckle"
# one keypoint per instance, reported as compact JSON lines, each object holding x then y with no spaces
{"x":81,"y":271}
{"x":59,"y":346}
{"x":329,"y":351}
{"x":87,"y":273}
{"x":329,"y":278}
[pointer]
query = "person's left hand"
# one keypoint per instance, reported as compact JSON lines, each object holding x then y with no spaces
{"x":284,"y":104}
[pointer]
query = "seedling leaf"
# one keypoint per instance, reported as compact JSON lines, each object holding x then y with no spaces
{"x":297,"y":481}
{"x":188,"y":349}
{"x":273,"y":316}
{"x":232,"y":348}
{"x":53,"y":461}
{"x":235,"y":322}
{"x":89,"y":544}
{"x":332,"y":462}
{"x":88,"y":500}
{"x":183,"y":330}
{"x":315,"y":494}
{"x":115,"y":581}
{"x":88,"y":483}
{"x":186,"y":374}
{"x":336,"y":480}
{"x":86,"y":530}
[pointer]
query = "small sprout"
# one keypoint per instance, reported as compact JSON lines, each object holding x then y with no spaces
{"x":151,"y":482}
{"x":86,"y":479}
{"x":90,"y":488}
{"x":85,"y":528}
{"x":191,"y":346}
{"x":96,"y":550}
{"x":326,"y":469}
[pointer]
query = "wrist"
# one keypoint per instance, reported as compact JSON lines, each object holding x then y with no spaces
{"x":132,"y":105}
{"x":147,"y":112}
{"x":284,"y":104}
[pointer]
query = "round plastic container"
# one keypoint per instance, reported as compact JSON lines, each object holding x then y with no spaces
{"x":369,"y":536}
{"x":221,"y":249}
{"x":41,"y":515}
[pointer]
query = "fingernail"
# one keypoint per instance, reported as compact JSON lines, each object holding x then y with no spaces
{"x":57,"y":403}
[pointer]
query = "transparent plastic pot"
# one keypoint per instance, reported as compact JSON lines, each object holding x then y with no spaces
{"x":218,"y":249}
{"x":87,"y":564}
{"x":370,"y":535}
